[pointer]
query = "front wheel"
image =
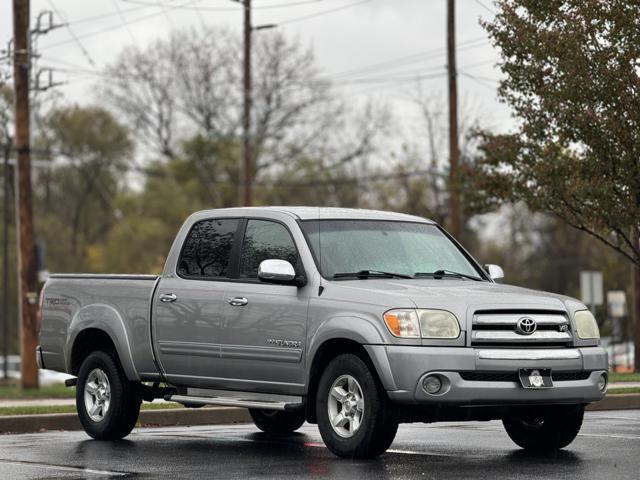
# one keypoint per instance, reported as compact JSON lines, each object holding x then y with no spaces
{"x":353,"y":411}
{"x":275,"y":422}
{"x":108,"y":403}
{"x":545,"y":428}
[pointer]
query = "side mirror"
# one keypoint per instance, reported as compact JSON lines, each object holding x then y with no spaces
{"x":495,"y":272}
{"x":279,"y":272}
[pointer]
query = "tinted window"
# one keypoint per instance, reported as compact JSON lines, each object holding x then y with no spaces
{"x":207,"y":249}
{"x":265,"y":240}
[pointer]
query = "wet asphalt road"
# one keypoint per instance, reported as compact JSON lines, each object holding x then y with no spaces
{"x":608,"y":447}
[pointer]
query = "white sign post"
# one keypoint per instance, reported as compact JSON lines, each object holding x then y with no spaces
{"x":591,"y":288}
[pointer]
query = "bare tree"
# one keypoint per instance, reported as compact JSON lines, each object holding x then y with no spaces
{"x":190,"y":84}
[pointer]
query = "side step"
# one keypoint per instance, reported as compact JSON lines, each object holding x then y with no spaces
{"x":201,"y":396}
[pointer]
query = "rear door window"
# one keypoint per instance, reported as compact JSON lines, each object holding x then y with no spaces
{"x":207,"y":249}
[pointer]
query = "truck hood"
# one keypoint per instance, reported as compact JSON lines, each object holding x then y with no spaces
{"x":462,"y":297}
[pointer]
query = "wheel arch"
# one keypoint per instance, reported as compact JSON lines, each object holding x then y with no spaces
{"x":99,"y":327}
{"x":329,"y":349}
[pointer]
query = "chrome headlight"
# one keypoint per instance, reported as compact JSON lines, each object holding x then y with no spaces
{"x":586,"y":325}
{"x":410,"y":323}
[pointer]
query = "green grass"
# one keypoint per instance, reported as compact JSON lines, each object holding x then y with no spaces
{"x":44,"y":409}
{"x":51,"y":391}
{"x":624,"y":377}
{"x":615,"y":391}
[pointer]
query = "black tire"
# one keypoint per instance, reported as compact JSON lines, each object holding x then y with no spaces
{"x":377,"y":425}
{"x":545,"y":428}
{"x":124,"y":401}
{"x":277,"y":422}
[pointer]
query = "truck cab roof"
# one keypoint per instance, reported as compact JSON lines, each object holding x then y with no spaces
{"x":324,"y":213}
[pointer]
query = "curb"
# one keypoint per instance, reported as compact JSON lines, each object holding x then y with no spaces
{"x":620,"y":401}
{"x":148,"y":418}
{"x":215,"y":416}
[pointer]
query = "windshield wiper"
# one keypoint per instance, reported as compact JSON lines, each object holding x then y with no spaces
{"x":370,"y":274}
{"x":450,"y":273}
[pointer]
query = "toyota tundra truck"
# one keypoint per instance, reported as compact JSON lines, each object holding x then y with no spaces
{"x":355,"y":320}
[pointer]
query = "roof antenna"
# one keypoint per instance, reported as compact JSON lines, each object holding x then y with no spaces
{"x":320,"y":287}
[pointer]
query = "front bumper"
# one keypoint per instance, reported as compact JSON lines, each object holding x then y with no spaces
{"x":402,"y":369}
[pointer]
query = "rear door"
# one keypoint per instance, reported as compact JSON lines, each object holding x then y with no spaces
{"x":263,"y":337}
{"x":188,"y":306}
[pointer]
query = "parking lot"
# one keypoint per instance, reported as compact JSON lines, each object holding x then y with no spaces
{"x":608,"y":447}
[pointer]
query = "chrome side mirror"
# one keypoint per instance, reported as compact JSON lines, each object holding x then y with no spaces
{"x":277,"y":271}
{"x":495,"y":272}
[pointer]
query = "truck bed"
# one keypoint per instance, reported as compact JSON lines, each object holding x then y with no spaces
{"x":117,"y":304}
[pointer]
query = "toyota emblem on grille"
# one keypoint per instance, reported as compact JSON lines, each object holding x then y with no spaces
{"x":526,"y":326}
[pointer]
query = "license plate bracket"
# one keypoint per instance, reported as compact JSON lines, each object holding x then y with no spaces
{"x":535,"y":378}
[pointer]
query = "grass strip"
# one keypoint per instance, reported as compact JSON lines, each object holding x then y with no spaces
{"x":624,"y":377}
{"x":44,"y":409}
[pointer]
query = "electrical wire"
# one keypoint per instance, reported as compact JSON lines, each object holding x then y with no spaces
{"x":74,"y":37}
{"x":409,"y":59}
{"x":324,"y":12}
{"x":223,"y":9}
{"x":115,"y":27}
{"x":485,"y":7}
{"x":116,"y":4}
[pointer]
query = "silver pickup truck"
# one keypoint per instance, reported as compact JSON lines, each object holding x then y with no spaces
{"x":356,"y":320}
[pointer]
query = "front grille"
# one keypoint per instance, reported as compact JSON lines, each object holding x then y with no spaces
{"x":569,"y":376}
{"x":489,"y":376}
{"x":513,"y":376}
{"x":505,"y":329}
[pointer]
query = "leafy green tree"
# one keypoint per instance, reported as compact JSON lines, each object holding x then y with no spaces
{"x":572,"y":80}
{"x":571,"y":77}
{"x":74,"y":197}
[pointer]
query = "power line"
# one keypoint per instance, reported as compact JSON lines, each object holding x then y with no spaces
{"x":324,"y":12}
{"x":74,"y":36}
{"x":479,"y":80}
{"x":408,"y":59}
{"x":485,"y":7}
{"x":224,"y":9}
{"x":116,"y":4}
{"x":115,"y":27}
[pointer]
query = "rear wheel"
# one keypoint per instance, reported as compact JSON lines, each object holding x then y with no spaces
{"x":108,"y":404}
{"x":545,"y":428}
{"x":355,"y":417}
{"x":277,"y":422}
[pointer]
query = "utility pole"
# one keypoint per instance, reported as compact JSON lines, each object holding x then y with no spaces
{"x":6,"y":333}
{"x":635,"y":296}
{"x":455,"y":220}
{"x":27,"y":285}
{"x":247,"y":166}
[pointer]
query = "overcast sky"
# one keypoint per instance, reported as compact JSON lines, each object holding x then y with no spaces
{"x":369,"y":47}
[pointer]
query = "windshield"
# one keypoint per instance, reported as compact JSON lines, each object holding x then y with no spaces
{"x":404,"y":248}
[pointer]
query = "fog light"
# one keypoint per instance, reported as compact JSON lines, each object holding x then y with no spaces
{"x":432,"y":384}
{"x":602,"y":383}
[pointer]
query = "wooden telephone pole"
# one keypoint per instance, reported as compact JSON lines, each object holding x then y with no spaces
{"x":28,"y":281}
{"x":455,"y":220}
{"x":247,"y":163}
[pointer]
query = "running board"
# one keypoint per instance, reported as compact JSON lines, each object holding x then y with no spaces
{"x":199,"y":396}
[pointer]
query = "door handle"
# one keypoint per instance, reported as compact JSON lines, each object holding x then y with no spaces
{"x":168,"y":297}
{"x":237,"y":301}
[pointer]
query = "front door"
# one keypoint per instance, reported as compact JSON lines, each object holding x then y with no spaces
{"x":188,"y":306}
{"x":263,"y":336}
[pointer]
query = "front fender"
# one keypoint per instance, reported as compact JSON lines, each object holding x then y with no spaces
{"x":108,"y":319}
{"x":363,"y":331}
